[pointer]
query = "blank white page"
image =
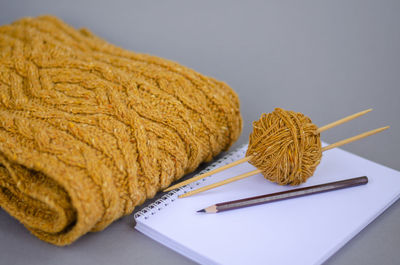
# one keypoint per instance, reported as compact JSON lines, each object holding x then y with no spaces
{"x":305,"y":230}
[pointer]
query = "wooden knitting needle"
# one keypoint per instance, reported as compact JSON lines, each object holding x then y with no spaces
{"x":251,"y":173}
{"x":247,"y":158}
{"x":341,"y":121}
{"x":354,"y":138}
{"x":209,"y":173}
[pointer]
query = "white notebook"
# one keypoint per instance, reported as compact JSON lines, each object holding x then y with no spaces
{"x":305,"y":230}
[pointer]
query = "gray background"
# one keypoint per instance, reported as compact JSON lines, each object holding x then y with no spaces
{"x":327,"y":59}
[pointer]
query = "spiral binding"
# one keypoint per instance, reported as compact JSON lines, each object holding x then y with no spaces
{"x":171,"y":196}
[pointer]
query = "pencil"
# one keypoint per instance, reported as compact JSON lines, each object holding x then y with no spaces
{"x":278,"y":196}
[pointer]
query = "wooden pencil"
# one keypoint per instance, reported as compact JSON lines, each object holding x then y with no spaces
{"x":278,"y":196}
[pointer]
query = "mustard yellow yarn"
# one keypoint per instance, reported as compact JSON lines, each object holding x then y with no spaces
{"x":88,"y":130}
{"x":285,"y":145}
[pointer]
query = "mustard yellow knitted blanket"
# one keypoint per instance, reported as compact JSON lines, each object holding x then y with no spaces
{"x":88,"y":130}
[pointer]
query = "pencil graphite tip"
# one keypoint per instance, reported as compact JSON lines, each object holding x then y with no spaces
{"x":201,"y":211}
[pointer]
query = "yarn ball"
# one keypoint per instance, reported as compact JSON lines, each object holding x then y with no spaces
{"x":88,"y":130}
{"x":286,"y":146}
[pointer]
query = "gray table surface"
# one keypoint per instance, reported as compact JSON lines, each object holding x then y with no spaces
{"x":326,"y":59}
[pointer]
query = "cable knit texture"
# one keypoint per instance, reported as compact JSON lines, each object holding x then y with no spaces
{"x":88,"y":130}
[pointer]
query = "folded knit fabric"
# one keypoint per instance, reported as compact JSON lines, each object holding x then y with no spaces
{"x":88,"y":130}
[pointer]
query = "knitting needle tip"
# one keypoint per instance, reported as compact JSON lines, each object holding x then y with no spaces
{"x":341,"y":121}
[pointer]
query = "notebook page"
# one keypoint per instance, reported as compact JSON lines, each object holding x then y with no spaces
{"x":305,"y":230}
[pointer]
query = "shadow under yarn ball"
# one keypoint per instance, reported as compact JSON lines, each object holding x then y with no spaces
{"x":285,"y":146}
